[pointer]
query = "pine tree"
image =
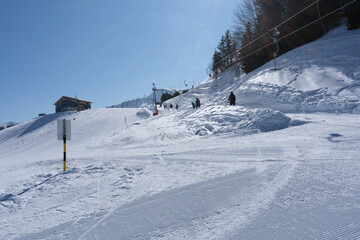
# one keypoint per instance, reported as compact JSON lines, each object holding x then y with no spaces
{"x":248,"y":62}
{"x":165,"y":96}
{"x":270,"y":12}
{"x":228,"y":48}
{"x":352,"y":14}
{"x":216,"y":62}
{"x":328,"y":6}
{"x":177,"y":93}
{"x":256,"y":17}
{"x":222,"y":50}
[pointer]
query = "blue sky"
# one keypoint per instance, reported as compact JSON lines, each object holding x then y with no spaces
{"x":102,"y":51}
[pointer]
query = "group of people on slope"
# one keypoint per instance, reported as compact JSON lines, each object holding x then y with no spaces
{"x":171,"y":106}
{"x":196,"y":104}
{"x":231,"y":100}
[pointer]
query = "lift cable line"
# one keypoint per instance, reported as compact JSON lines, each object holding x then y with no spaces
{"x":271,"y":29}
{"x":266,"y":34}
{"x":318,"y":10}
{"x":281,"y":23}
{"x":278,"y":25}
{"x":320,"y":18}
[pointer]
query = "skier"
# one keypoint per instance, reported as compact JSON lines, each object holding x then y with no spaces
{"x":232,"y":99}
{"x":171,"y":105}
{"x":177,"y":106}
{"x":197,"y":103}
{"x":193,"y":105}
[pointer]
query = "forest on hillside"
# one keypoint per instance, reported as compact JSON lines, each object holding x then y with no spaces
{"x":264,"y":29}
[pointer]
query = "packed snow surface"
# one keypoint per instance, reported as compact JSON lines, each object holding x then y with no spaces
{"x":281,"y":164}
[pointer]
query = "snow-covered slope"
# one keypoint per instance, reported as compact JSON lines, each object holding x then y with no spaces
{"x":321,"y":76}
{"x":218,"y":172}
{"x":6,"y":125}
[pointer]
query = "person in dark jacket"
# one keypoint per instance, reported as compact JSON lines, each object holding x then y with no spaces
{"x":232,"y":99}
{"x":197,"y":103}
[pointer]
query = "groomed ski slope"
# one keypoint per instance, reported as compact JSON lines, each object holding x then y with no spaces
{"x":217,"y":172}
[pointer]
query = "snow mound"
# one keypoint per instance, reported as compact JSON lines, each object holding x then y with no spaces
{"x":289,"y":99}
{"x":181,"y":125}
{"x":236,"y":119}
{"x":143,"y":114}
{"x":320,"y":76}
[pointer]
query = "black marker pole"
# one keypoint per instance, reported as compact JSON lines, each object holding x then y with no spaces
{"x":64,"y":137}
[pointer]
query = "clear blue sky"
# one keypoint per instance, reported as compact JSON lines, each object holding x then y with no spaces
{"x":102,"y":51}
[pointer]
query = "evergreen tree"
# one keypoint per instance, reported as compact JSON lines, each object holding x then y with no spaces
{"x":248,"y":62}
{"x":223,"y":56}
{"x":176,"y":94}
{"x":216,"y":61}
{"x":165,"y":96}
{"x":327,"y":6}
{"x":255,"y":19}
{"x":270,"y":12}
{"x":352,"y":14}
{"x":228,"y":48}
{"x":222,"y":50}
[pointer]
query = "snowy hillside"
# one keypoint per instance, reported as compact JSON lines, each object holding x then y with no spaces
{"x":267,"y":168}
{"x":6,"y":125}
{"x":145,"y":101}
{"x":321,"y":76}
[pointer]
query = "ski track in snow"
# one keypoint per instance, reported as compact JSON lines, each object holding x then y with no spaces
{"x":180,"y":194}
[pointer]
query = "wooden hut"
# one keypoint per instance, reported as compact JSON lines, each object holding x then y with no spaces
{"x":71,"y":104}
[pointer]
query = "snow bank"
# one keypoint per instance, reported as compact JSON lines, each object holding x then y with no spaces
{"x":235,"y":119}
{"x":289,"y":99}
{"x":320,"y":76}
